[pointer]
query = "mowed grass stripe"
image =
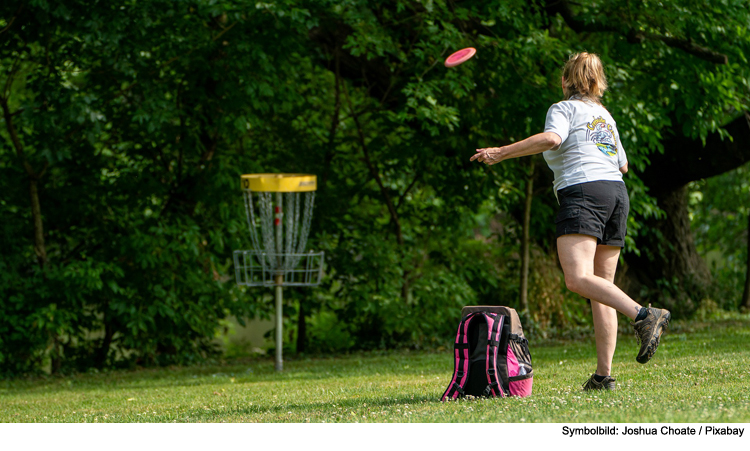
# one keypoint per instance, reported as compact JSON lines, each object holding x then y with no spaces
{"x":701,"y":373}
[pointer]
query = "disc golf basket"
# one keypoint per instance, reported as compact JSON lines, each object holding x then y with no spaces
{"x":279,"y":211}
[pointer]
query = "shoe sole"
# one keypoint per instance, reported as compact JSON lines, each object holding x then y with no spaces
{"x":654,"y":342}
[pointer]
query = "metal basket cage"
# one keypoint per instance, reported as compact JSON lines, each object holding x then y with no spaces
{"x":257,"y":269}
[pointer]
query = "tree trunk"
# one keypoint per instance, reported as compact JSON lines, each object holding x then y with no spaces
{"x":669,"y":272}
{"x":301,"y":328}
{"x":40,"y":248}
{"x":682,"y":255}
{"x":525,"y":241}
{"x":36,"y":210}
{"x":745,"y":303}
{"x":36,"y":214}
{"x":103,"y":351}
{"x":687,"y":159}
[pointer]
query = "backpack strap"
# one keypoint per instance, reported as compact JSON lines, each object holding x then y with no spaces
{"x":502,"y":352}
{"x":461,"y":361}
{"x":493,"y":345}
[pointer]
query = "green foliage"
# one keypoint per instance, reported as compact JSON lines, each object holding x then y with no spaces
{"x":719,"y":216}
{"x":137,"y":119}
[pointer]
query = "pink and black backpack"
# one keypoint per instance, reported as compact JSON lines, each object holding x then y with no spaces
{"x":491,"y":355}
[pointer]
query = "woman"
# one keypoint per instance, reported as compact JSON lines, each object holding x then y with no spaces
{"x":582,"y":147}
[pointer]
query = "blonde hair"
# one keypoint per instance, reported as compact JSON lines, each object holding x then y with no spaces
{"x":583,"y":75}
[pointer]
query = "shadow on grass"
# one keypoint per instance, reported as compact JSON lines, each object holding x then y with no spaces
{"x":319,"y":407}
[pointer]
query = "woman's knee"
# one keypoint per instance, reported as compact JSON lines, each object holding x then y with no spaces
{"x":575,"y":282}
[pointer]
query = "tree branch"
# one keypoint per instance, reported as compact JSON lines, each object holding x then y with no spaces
{"x":11,"y":127}
{"x":13,"y":19}
{"x":579,"y":25}
{"x":36,"y":211}
{"x":374,"y":173}
{"x":330,"y":147}
{"x":408,"y":188}
{"x":686,"y":45}
{"x":686,"y":159}
{"x":11,"y":76}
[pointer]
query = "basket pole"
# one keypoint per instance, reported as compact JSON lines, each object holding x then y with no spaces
{"x":279,"y":279}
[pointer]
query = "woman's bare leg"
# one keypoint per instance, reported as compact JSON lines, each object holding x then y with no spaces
{"x":577,"y":254}
{"x":605,"y":318}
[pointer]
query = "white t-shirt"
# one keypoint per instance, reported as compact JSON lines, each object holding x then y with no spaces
{"x":591,"y":149}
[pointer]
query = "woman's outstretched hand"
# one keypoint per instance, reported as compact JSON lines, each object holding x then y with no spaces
{"x":488,"y":155}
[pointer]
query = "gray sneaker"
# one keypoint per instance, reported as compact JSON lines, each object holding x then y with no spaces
{"x":649,"y":330}
{"x":607,"y":384}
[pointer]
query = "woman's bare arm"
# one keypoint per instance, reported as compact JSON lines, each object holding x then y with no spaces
{"x":529,"y":146}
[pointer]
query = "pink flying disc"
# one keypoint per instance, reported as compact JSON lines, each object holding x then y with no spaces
{"x":460,"y":56}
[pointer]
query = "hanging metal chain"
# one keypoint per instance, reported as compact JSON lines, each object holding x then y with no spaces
{"x":306,"y":220}
{"x":279,"y":247}
{"x":250,"y":213}
{"x":296,"y":221}
{"x":298,"y":207}
{"x":266,"y":217}
{"x":289,"y":231}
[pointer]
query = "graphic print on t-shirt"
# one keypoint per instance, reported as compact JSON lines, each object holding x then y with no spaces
{"x":603,"y":135}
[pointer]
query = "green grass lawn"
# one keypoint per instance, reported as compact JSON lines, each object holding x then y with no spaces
{"x":701,"y":373}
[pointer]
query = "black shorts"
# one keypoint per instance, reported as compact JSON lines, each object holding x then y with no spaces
{"x":599,"y":209}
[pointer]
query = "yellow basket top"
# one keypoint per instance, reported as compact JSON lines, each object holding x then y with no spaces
{"x":280,"y":183}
